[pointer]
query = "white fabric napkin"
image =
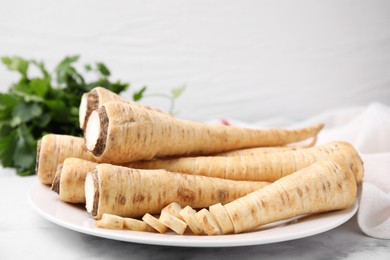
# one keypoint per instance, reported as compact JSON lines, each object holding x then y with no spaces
{"x":368,"y":129}
{"x":369,"y":132}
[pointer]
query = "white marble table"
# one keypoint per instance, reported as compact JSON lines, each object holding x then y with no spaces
{"x":26,"y":235}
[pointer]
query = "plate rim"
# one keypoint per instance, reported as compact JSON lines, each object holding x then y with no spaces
{"x":203,"y":241}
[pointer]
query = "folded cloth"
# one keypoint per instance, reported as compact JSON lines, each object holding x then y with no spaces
{"x":368,"y":130}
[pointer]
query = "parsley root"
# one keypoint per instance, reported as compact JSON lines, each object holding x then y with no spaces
{"x":69,"y":179}
{"x":323,"y":186}
{"x":53,"y":150}
{"x":96,"y":98}
{"x":130,"y":192}
{"x":119,"y":133}
{"x":260,"y":167}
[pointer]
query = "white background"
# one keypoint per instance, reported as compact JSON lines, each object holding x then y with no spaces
{"x":246,"y":59}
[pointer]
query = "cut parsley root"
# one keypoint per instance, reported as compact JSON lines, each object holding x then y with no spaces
{"x":93,"y":100}
{"x":222,"y":218}
{"x":109,"y":221}
{"x":323,"y":186}
{"x":174,"y":209}
{"x":96,"y":98}
{"x":173,"y":223}
{"x":119,"y":132}
{"x":53,"y":150}
{"x":260,"y":167}
{"x":69,"y":179}
{"x":155,"y":223}
{"x":189,"y":216}
{"x":130,"y":192}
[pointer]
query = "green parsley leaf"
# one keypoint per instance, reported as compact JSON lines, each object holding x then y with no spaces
{"x":176,"y":92}
{"x":139,"y":94}
{"x":104,"y":71}
{"x":48,"y":103}
{"x":25,"y":112}
{"x":16,"y":64}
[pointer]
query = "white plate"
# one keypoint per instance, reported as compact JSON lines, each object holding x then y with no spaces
{"x":48,"y":205}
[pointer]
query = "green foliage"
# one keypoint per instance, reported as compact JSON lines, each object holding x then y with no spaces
{"x":139,"y":94}
{"x":177,"y":92}
{"x":48,"y":103}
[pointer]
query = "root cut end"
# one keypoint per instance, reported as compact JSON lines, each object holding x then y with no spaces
{"x":92,"y":193}
{"x":96,"y":131}
{"x":55,"y":186}
{"x":89,"y":103}
{"x":37,"y":159}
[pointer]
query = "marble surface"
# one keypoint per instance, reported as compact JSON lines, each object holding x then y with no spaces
{"x":26,"y":235}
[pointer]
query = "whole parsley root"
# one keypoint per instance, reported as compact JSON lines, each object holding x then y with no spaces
{"x":260,"y":150}
{"x":260,"y":167}
{"x":132,"y":193}
{"x":119,"y":133}
{"x":323,"y":186}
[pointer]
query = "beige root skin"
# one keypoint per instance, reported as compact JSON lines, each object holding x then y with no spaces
{"x":53,"y":150}
{"x":130,"y":192}
{"x":96,"y":98}
{"x":323,"y":186}
{"x":135,"y":133}
{"x":93,"y":100}
{"x":261,"y":167}
{"x":69,"y":180}
{"x":257,"y":151}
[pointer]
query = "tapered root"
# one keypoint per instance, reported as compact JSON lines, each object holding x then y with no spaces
{"x":120,"y":132}
{"x":323,"y":186}
{"x":130,"y":192}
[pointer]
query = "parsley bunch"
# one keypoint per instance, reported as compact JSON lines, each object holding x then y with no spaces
{"x":48,"y":103}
